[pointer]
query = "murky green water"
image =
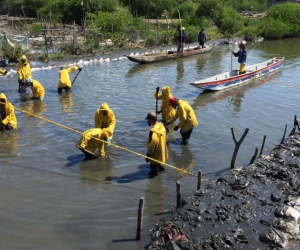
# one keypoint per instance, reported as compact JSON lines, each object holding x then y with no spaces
{"x":53,"y":200}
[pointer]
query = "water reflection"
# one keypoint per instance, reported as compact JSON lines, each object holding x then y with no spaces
{"x":182,"y":157}
{"x":180,"y":70}
{"x":234,"y":95}
{"x":36,"y":107}
{"x":8,"y":144}
{"x":66,"y":101}
{"x":96,"y":171}
{"x":155,"y":196}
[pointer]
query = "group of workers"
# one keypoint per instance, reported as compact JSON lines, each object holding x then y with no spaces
{"x":105,"y":121}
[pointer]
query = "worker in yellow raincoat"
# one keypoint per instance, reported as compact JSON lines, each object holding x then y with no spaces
{"x":64,"y":78}
{"x":24,"y":72}
{"x":156,"y":145}
{"x":105,"y":118}
{"x":92,"y":139}
{"x":167,"y":111}
{"x":187,"y":119}
{"x":3,"y":72}
{"x":38,"y":91}
{"x":8,"y":118}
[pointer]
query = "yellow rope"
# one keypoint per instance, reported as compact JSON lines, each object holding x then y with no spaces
{"x":119,"y":147}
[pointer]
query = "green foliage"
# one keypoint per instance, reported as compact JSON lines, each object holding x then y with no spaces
{"x":34,"y":28}
{"x":188,"y":13}
{"x":13,"y":53}
{"x":271,"y":28}
{"x":226,"y":19}
{"x":113,"y":22}
{"x":66,"y":11}
{"x":150,"y":8}
{"x":287,"y":16}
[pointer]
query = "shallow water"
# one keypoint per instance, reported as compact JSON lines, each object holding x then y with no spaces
{"x":51,"y":199}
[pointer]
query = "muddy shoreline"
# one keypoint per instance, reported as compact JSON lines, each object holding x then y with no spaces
{"x":255,"y":207}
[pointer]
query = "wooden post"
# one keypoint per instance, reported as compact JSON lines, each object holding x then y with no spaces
{"x":262,"y":146}
{"x":140,"y":219}
{"x":178,"y":195}
{"x":199,"y":179}
{"x":254,"y":156}
{"x":237,"y":145}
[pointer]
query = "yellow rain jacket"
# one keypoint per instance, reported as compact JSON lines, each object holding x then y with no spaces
{"x":187,"y":117}
{"x":64,"y":78}
{"x":2,"y":72}
{"x":108,"y":122}
{"x":37,"y":89}
{"x":9,"y":112}
{"x":168,"y":111}
{"x":23,"y":70}
{"x":92,"y":139}
{"x":157,"y":145}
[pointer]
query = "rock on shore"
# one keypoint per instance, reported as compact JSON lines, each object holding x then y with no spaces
{"x":256,"y":207}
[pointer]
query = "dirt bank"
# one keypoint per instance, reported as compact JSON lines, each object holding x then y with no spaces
{"x":256,"y":207}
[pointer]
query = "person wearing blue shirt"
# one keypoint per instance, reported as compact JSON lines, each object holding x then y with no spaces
{"x":242,"y":54}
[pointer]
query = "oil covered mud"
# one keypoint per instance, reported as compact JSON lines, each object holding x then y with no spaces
{"x":255,"y":207}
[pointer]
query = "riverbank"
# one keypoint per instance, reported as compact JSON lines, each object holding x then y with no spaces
{"x":256,"y":207}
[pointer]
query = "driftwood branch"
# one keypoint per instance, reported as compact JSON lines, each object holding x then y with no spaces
{"x":282,"y":140}
{"x":237,"y":145}
{"x":262,"y":146}
{"x":254,"y":156}
{"x":296,"y":124}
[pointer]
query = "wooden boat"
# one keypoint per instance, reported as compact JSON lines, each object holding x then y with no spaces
{"x":234,"y":78}
{"x":168,"y":55}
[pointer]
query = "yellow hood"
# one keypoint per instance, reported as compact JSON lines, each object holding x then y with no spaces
{"x":158,"y":128}
{"x":166,"y":91}
{"x":104,"y":106}
{"x":3,"y":96}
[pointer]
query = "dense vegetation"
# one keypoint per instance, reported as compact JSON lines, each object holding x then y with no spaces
{"x":129,"y":20}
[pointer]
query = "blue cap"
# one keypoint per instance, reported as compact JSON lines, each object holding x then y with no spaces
{"x":28,"y":80}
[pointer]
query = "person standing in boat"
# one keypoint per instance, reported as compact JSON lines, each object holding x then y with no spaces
{"x":167,"y":111}
{"x":202,"y":38}
{"x":156,"y":145}
{"x":242,"y":56}
{"x":187,"y":119}
{"x":181,"y":39}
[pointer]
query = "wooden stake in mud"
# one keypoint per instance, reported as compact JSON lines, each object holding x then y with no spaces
{"x":178,"y":195}
{"x":140,"y":219}
{"x":237,"y":145}
{"x":262,"y":146}
{"x":199,"y":179}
